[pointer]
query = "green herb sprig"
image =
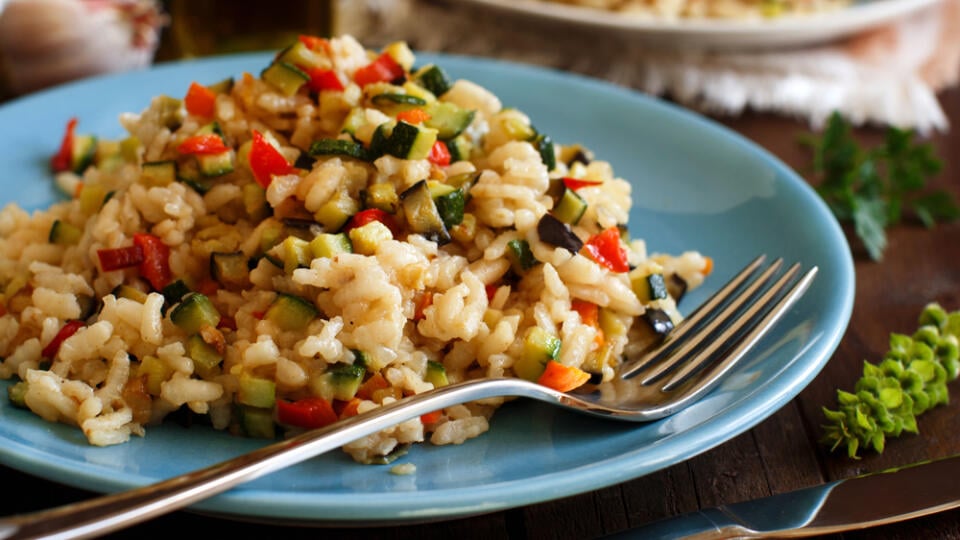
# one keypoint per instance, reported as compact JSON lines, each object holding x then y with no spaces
{"x":875,"y":188}
{"x":911,"y":379}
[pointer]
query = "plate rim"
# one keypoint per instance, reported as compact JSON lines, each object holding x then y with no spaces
{"x":255,"y":502}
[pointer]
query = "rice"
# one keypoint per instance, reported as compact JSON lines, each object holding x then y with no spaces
{"x":269,"y":286}
{"x":710,"y":9}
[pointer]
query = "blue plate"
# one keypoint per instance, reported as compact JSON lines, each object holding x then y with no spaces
{"x":696,"y":186}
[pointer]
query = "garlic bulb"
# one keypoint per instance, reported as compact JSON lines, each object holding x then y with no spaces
{"x":47,"y":42}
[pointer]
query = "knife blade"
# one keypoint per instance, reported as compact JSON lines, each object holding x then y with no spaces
{"x":853,"y":503}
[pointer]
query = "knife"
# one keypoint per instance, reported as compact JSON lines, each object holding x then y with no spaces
{"x":854,"y":503}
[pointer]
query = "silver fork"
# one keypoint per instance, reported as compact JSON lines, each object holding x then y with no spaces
{"x":695,"y":357}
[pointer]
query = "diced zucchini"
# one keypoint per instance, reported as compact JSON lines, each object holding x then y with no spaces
{"x":448,"y":119}
{"x":393,"y":102}
{"x":205,"y":357}
{"x":170,"y":110}
{"x":82,"y":153}
{"x":173,"y":293}
{"x":383,"y":196}
{"x":517,"y":129}
{"x":408,"y":141}
{"x":356,"y":119}
{"x":287,"y":78}
{"x":544,"y":145}
{"x":216,"y":164}
{"x":421,"y":213}
{"x":156,"y":371}
{"x":338,"y":147}
{"x":294,"y":252}
{"x":521,"y":258}
{"x":130,"y":293}
{"x":344,"y":380}
{"x":211,"y":128}
{"x":575,"y":153}
{"x":401,"y":54}
{"x":539,"y":347}
{"x":16,"y":394}
{"x":460,"y":148}
{"x":612,"y":325}
{"x":570,"y":208}
{"x":230,"y":269}
{"x":329,"y":245}
{"x":361,"y":358}
{"x":64,"y":234}
{"x":256,"y":391}
{"x":436,"y":374}
{"x":257,"y":422}
{"x":367,"y":238}
{"x":299,"y":54}
{"x":291,"y":312}
{"x":450,"y":206}
{"x":255,"y":201}
{"x":270,"y":235}
{"x":92,"y":197}
{"x":648,"y":287}
{"x":224,"y":86}
{"x":433,"y":78}
{"x":333,"y":214}
{"x":158,"y":173}
{"x":194,"y":312}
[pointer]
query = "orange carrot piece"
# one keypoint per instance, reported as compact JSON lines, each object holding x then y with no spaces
{"x":561,"y":377}
{"x":371,"y":385}
{"x":413,"y":116}
{"x":707,"y":267}
{"x":350,"y":408}
{"x":431,"y":417}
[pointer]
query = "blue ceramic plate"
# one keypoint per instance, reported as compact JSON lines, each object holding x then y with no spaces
{"x":696,"y":186}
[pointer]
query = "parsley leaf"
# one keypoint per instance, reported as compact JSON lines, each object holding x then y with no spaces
{"x":874,"y":188}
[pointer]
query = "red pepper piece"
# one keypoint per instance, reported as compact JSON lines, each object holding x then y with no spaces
{"x":577,"y":183}
{"x":61,"y":160}
{"x":413,"y":116}
{"x":308,"y":413}
{"x":363,"y":217}
{"x":66,"y":331}
{"x":439,"y":154}
{"x":431,"y":417}
{"x":324,"y":79}
{"x":119,"y":258}
{"x":604,"y":247}
{"x":266,"y":161}
{"x":207,"y":143}
{"x":383,"y":69}
{"x":200,"y":100}
{"x":155,"y":266}
{"x":315,"y":43}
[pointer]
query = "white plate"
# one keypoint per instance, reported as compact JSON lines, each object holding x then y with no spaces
{"x":722,"y":34}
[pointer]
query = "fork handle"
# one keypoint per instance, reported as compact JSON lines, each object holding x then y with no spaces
{"x":109,"y":513}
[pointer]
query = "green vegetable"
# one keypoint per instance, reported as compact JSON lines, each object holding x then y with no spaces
{"x":911,"y":378}
{"x":874,"y":188}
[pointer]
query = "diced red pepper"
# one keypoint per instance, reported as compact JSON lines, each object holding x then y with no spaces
{"x":349,"y":408}
{"x":363,"y":217}
{"x":204,"y":144}
{"x":383,"y":69}
{"x":66,"y":331}
{"x":324,"y":79}
{"x":119,"y":258}
{"x":308,"y":413}
{"x":413,"y":116}
{"x":200,"y":100}
{"x":491,"y":290}
{"x":315,"y":43}
{"x":227,"y":322}
{"x":577,"y":183}
{"x":61,"y":160}
{"x":431,"y":417}
{"x":589,"y":315}
{"x":604,"y":247}
{"x":439,"y":154}
{"x":155,"y":266}
{"x":561,"y":377}
{"x":266,"y":161}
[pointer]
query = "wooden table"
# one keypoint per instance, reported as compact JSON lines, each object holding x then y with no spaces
{"x":778,"y":455}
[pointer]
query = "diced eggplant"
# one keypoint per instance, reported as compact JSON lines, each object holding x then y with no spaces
{"x":676,"y":286}
{"x":557,"y":233}
{"x":421,"y":213}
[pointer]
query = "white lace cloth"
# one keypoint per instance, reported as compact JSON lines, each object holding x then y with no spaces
{"x":887,"y":76}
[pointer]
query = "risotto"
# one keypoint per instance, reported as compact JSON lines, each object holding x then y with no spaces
{"x":273,"y":253}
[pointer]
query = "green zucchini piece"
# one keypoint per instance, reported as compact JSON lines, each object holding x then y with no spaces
{"x":64,"y":234}
{"x":521,"y":258}
{"x":354,"y":121}
{"x":230,"y":269}
{"x":436,"y":374}
{"x":205,"y":358}
{"x":82,"y":153}
{"x":170,"y":110}
{"x":539,"y":347}
{"x":173,"y":293}
{"x":570,"y":208}
{"x":338,"y":147}
{"x":158,"y":173}
{"x":408,"y":141}
{"x":448,"y":119}
{"x":450,"y":207}
{"x":367,"y":238}
{"x":130,"y":293}
{"x":256,"y":391}
{"x":422,"y":215}
{"x":433,"y":78}
{"x":291,"y":312}
{"x":460,"y":148}
{"x":16,"y":394}
{"x":649,"y":287}
{"x":344,"y":380}
{"x":294,"y":252}
{"x":396,"y":101}
{"x":544,"y":145}
{"x":256,"y":422}
{"x":329,"y":245}
{"x":194,"y":312}
{"x":216,"y":164}
{"x":287,"y":78}
{"x":360,"y":358}
{"x":333,"y":214}
{"x":299,"y":54}
{"x":224,"y":86}
{"x":383,"y":196}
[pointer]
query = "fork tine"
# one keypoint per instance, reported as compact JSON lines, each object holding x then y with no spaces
{"x":649,"y":357}
{"x":679,"y":354}
{"x":771,"y":309}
